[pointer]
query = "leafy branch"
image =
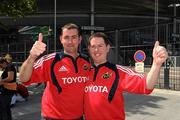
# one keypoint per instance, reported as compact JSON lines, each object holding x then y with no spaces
{"x":17,"y":8}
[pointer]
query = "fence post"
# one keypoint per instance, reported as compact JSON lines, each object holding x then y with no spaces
{"x":116,"y":46}
{"x":166,"y":75}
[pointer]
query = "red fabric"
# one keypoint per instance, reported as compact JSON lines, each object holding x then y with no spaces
{"x":69,"y":103}
{"x":97,"y":106}
{"x":22,"y":90}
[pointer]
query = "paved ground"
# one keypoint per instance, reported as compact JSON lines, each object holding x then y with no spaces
{"x":161,"y":105}
{"x":29,"y":110}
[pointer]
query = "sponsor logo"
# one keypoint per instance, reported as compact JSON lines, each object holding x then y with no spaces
{"x":106,"y":75}
{"x":85,"y":67}
{"x":79,"y":79}
{"x":96,"y":88}
{"x":63,"y":68}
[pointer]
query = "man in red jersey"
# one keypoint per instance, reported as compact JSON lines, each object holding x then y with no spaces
{"x":63,"y":72}
{"x":103,"y":91}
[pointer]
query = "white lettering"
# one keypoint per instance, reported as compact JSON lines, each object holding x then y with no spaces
{"x":96,"y":88}
{"x":105,"y":89}
{"x":64,"y":80}
{"x":86,"y":89}
{"x":79,"y":79}
{"x":74,"y":79}
{"x":90,"y":88}
{"x":69,"y":80}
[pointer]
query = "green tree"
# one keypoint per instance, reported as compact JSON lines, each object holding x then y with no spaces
{"x":17,"y":8}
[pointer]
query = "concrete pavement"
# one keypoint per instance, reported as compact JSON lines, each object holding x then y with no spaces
{"x":160,"y":105}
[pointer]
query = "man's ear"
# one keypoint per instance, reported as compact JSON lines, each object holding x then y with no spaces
{"x":80,"y":39}
{"x":108,"y":48}
{"x":60,"y":38}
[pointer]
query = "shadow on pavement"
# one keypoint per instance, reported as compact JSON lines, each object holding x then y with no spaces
{"x":136,"y":104}
{"x":137,"y":107}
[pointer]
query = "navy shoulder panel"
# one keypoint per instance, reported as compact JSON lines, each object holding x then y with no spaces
{"x":60,"y":55}
{"x":111,"y":66}
{"x":84,"y":56}
{"x":116,"y":81}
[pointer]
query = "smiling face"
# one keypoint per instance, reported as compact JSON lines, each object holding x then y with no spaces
{"x":70,"y":40}
{"x":98,"y":50}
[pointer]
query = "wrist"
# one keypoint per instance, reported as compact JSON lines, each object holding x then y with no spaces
{"x":155,"y":65}
{"x":31,"y":59}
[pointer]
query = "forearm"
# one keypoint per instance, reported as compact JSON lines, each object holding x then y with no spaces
{"x":26,"y":69}
{"x":152,"y":76}
{"x":1,"y":82}
{"x":5,"y":80}
{"x":9,"y":78}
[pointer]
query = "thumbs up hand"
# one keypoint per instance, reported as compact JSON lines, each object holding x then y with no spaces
{"x":159,"y":54}
{"x":38,"y":48}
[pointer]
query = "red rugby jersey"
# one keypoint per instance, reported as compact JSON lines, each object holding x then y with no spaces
{"x":70,"y":76}
{"x":97,"y":90}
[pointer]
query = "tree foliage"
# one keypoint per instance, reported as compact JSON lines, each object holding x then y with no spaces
{"x":17,"y":8}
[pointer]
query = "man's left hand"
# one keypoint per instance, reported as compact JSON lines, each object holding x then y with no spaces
{"x":159,"y":54}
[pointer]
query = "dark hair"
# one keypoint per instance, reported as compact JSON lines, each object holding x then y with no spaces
{"x":71,"y":26}
{"x":101,"y":35}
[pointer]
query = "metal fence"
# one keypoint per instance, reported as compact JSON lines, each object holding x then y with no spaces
{"x":125,"y":42}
